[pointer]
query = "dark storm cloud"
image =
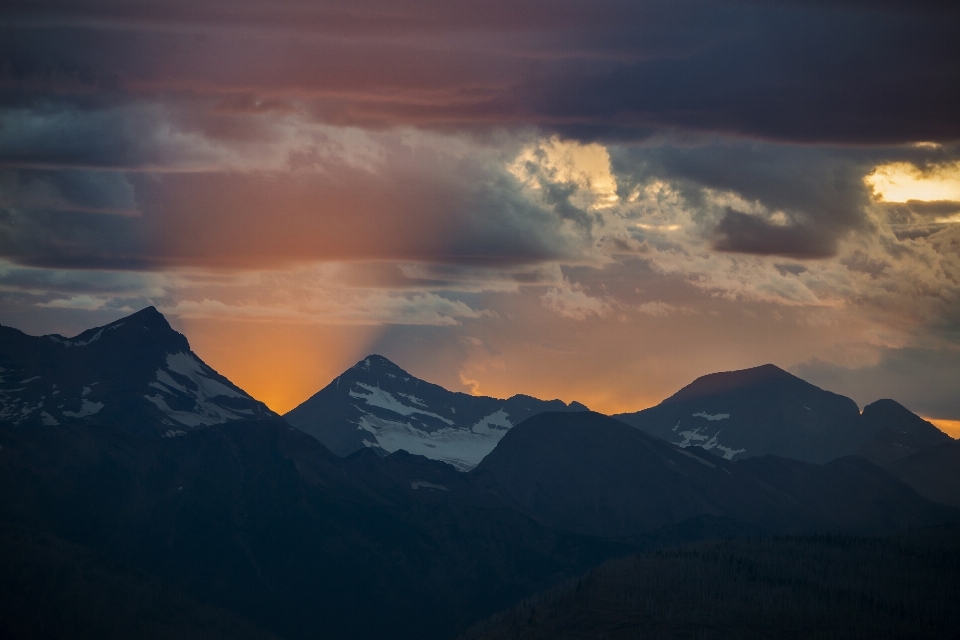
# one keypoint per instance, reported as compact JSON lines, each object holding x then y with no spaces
{"x":857,"y":72}
{"x":819,"y":191}
{"x":73,"y":240}
{"x":740,"y":232}
{"x":74,"y":219}
{"x":103,"y":192}
{"x":934,"y":207}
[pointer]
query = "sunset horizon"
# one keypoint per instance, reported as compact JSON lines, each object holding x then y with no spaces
{"x":479,"y":319}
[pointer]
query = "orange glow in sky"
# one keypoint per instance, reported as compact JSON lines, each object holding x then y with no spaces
{"x":280,"y":364}
{"x":950,"y":427}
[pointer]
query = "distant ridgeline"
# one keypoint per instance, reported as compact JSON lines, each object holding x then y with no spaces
{"x":766,"y":410}
{"x":386,"y":506}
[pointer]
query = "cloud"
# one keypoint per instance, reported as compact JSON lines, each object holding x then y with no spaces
{"x":373,"y":308}
{"x":657,"y":309}
{"x":106,"y":193}
{"x":616,"y":70}
{"x":766,"y":199}
{"x":740,"y":232}
{"x":41,"y":282}
{"x":571,"y":301}
{"x":434,"y":213}
{"x":298,"y":193}
{"x":470,"y":383}
{"x":84,"y":302}
{"x":940,"y":210}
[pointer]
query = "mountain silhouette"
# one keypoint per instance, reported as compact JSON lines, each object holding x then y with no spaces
{"x":136,"y":371}
{"x":377,"y":404}
{"x":766,"y":410}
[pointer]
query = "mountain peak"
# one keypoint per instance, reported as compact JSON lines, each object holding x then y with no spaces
{"x":896,"y":432}
{"x":146,"y":315}
{"x":887,"y":407}
{"x":754,"y":412}
{"x":147,"y":327}
{"x":376,"y":362}
{"x":726,"y":381}
{"x":137,"y":372}
{"x":376,"y":404}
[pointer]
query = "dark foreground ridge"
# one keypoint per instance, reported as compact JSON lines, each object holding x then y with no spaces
{"x":50,"y":588}
{"x":831,"y":587}
{"x":591,"y":474}
{"x":260,"y":519}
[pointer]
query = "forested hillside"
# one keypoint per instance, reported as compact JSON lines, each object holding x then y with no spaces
{"x":819,"y":587}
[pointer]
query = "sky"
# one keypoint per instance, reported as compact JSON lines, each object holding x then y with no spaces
{"x":594,"y":201}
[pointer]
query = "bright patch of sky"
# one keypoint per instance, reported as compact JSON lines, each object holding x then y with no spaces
{"x":586,"y":166}
{"x":903,"y":182}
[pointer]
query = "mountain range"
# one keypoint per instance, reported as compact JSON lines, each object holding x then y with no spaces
{"x":389,"y":495}
{"x":594,"y":475}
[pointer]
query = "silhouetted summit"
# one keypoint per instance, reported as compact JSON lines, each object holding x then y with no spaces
{"x":137,"y":371}
{"x":896,"y":432}
{"x":712,"y":384}
{"x":753,"y":412}
{"x":377,"y":404}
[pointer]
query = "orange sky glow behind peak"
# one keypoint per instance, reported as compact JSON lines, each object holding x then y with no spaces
{"x":283,"y":364}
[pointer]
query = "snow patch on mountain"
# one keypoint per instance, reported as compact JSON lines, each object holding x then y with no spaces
{"x":82,"y":343}
{"x":414,"y":399}
{"x":376,"y":404}
{"x":385,"y":400}
{"x":711,"y":417}
{"x":462,"y":448}
{"x":203,"y":413}
{"x":416,"y":484}
{"x":187,"y":365}
{"x":497,"y":421}
{"x":206,"y":410}
{"x":696,"y":439}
